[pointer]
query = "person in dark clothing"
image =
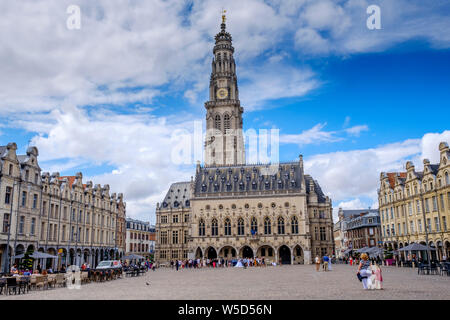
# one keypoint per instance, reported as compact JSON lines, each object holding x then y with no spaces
{"x":176,"y":264}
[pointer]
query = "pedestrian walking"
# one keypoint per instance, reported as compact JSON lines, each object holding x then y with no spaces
{"x":317,"y":261}
{"x":378,"y":278}
{"x":364,"y":271}
{"x":325,"y":263}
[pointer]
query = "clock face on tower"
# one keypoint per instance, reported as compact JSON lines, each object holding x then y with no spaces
{"x":222,"y":93}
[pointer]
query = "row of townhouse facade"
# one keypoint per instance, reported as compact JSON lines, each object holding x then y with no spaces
{"x":415,"y":206}
{"x":356,"y":229}
{"x":140,"y":238}
{"x":57,"y":215}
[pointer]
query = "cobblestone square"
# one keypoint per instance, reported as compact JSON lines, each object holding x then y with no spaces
{"x":272,"y":283}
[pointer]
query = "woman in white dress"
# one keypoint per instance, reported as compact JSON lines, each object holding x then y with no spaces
{"x":365,"y":271}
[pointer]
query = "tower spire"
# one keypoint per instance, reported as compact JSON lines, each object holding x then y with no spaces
{"x":224,"y":143}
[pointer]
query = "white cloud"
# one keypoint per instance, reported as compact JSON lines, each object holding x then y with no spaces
{"x":137,"y":146}
{"x":356,"y":130}
{"x":126,"y":49}
{"x":346,"y":122}
{"x":311,"y":136}
{"x":340,"y":27}
{"x":317,"y":135}
{"x":273,"y":81}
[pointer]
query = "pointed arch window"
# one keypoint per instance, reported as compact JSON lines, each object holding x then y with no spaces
{"x":267,"y":226}
{"x":254,"y":226}
{"x":447,"y":179}
{"x":226,"y":122}
{"x":240,"y":227}
{"x":294,"y":225}
{"x":201,"y":228}
{"x":227,"y":225}
{"x":214,"y":228}
{"x":280,"y":225}
{"x":217,"y":120}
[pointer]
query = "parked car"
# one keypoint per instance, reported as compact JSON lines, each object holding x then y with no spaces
{"x":109,"y":264}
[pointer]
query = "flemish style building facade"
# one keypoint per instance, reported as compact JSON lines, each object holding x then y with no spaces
{"x":416,"y":205}
{"x":237,"y":210}
{"x":140,"y":238}
{"x":362,"y":229}
{"x":57,"y":215}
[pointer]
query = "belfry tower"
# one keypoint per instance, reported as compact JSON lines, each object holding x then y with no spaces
{"x":224,"y":143}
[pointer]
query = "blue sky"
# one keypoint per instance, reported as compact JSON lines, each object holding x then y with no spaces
{"x":106,"y":99}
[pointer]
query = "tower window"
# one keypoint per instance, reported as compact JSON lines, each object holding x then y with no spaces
{"x":226,"y":122}
{"x":217,"y":122}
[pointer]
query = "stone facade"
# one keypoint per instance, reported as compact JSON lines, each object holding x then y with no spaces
{"x":235,"y":210}
{"x":173,"y":218}
{"x":415,"y":205}
{"x":57,"y":215}
{"x":361,"y":228}
{"x":140,"y":238}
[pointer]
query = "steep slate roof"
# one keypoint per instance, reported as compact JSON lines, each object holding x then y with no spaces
{"x":22,"y":158}
{"x":2,"y":150}
{"x":178,"y":194}
{"x":357,"y":212}
{"x":320,"y":195}
{"x":247,"y":178}
{"x":434,"y":168}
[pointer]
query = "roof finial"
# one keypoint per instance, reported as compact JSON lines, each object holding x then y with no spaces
{"x":223,"y":16}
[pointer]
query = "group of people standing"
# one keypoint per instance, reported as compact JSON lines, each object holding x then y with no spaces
{"x":216,"y":263}
{"x":326,"y":262}
{"x":369,"y":273}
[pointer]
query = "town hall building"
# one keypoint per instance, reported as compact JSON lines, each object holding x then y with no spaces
{"x":232,"y":209}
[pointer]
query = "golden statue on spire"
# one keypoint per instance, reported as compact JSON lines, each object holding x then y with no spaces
{"x":223,"y":16}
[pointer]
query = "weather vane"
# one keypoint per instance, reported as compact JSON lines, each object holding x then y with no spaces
{"x":223,"y":15}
